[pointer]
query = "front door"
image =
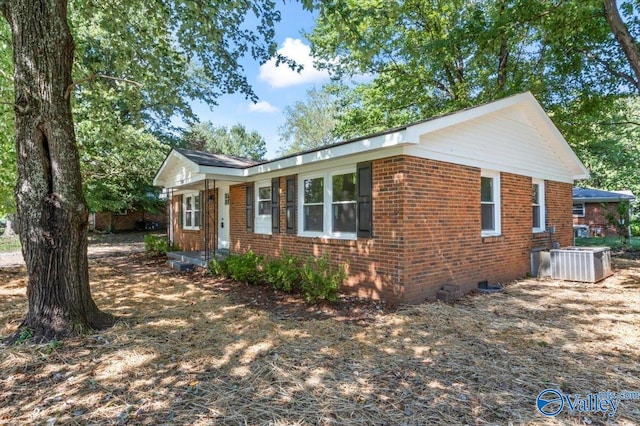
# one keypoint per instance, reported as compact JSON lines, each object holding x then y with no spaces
{"x":223,"y":217}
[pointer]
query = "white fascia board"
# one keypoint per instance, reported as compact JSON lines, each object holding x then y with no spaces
{"x":361,"y":146}
{"x":226,"y":173}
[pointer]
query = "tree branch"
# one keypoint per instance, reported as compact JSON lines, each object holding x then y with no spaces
{"x":616,"y":123}
{"x":624,"y":38}
{"x":93,"y":77}
{"x":610,"y":69}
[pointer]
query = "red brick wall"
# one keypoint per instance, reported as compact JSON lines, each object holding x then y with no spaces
{"x":595,"y":218}
{"x":426,"y":231}
{"x":373,"y":263}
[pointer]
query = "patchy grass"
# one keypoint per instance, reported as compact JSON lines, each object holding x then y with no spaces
{"x":613,"y":242}
{"x":9,"y":244}
{"x":190,"y":349}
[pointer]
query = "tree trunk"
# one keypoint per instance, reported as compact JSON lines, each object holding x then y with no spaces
{"x":624,"y":38}
{"x":52,"y":213}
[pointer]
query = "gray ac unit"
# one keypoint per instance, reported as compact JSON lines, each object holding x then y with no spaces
{"x":587,"y":264}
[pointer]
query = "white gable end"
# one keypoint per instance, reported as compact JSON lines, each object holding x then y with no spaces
{"x":505,"y":140}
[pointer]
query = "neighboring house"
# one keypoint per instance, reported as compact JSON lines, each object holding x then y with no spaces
{"x":130,"y":220}
{"x":457,"y":200}
{"x":590,"y":209}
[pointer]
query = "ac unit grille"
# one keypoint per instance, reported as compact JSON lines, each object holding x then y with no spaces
{"x":587,"y":264}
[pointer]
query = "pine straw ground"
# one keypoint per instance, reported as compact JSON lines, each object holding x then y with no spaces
{"x":193,"y":350}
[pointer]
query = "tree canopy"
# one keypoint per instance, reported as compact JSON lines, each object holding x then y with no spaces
{"x":235,"y":140}
{"x":426,"y":58}
{"x":310,"y":123}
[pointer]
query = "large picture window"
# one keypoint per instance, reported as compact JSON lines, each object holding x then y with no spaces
{"x":328,"y":204}
{"x":191,"y":209}
{"x":537,"y":205}
{"x":490,"y":203}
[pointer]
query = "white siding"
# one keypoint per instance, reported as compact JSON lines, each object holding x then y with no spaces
{"x":505,"y":140}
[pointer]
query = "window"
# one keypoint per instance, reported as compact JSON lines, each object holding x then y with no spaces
{"x":537,"y":205}
{"x":263,"y":210}
{"x":191,"y":210}
{"x":490,"y":203}
{"x":264,"y":200}
{"x":328,"y":204}
{"x":313,"y":205}
{"x":343,"y":203}
{"x":578,"y":209}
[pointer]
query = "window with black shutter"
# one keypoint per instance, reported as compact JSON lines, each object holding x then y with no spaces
{"x":249,"y":207}
{"x":365,"y":189}
{"x":290,"y":209}
{"x":275,"y":205}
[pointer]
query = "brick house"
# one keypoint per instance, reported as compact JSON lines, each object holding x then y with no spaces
{"x":590,"y":209}
{"x":455,"y":200}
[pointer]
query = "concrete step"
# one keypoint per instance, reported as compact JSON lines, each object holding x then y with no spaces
{"x":180,"y":266}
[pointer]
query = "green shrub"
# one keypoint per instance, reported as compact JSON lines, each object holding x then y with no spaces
{"x":218,"y":268}
{"x":635,"y":229}
{"x":315,"y":278}
{"x":321,"y":281}
{"x":244,"y":267}
{"x":283,"y":273}
{"x":158,"y":245}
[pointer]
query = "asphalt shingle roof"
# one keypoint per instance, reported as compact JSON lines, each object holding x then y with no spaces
{"x":591,"y":193}
{"x":217,"y":160}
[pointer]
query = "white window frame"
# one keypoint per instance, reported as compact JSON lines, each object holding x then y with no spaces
{"x":541,"y":204}
{"x":327,"y":206}
{"x":497,"y":214}
{"x":583,"y":210}
{"x":262,"y":222}
{"x":185,"y":197}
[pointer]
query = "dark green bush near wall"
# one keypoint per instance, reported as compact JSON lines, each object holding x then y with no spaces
{"x":158,"y":245}
{"x":315,"y":278}
{"x":282,"y":273}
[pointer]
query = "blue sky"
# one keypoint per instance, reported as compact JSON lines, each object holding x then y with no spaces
{"x":277,"y":87}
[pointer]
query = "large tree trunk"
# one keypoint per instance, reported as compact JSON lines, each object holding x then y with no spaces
{"x":52,"y":212}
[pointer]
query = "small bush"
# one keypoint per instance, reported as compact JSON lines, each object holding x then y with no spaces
{"x":315,"y":278}
{"x":244,"y":267}
{"x":158,"y":245}
{"x":218,"y":268}
{"x":321,"y":281}
{"x":283,"y":273}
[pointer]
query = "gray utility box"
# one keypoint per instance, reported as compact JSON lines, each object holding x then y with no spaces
{"x":587,"y":264}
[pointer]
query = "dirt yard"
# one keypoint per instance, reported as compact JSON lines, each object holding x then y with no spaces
{"x":190,"y":349}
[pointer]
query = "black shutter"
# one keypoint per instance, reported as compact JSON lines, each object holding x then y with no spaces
{"x":365,"y":177}
{"x":275,"y":205}
{"x":290,"y":211}
{"x":249,"y":206}
{"x":202,"y":201}
{"x":180,"y":212}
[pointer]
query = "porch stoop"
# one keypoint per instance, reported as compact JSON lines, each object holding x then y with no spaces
{"x":188,"y":260}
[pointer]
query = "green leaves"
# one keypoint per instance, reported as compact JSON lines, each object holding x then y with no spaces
{"x":236,"y":141}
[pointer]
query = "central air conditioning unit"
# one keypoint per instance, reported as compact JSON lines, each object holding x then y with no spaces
{"x":586,"y":264}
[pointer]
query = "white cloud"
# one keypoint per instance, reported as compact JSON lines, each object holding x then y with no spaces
{"x":262,"y":106}
{"x":283,"y":76}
